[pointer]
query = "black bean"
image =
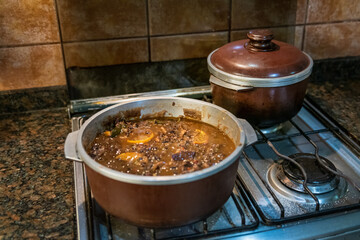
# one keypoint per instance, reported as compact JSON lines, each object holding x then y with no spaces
{"x":183,"y":155}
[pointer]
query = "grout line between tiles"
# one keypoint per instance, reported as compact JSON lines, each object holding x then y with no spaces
{"x":186,"y":34}
{"x":304,"y":28}
{"x":61,"y":43}
{"x":148,"y":29}
{"x":141,"y":37}
{"x":29,"y":45}
{"x":333,"y":22}
{"x":296,"y":25}
{"x":230,"y":19}
{"x":104,"y":39}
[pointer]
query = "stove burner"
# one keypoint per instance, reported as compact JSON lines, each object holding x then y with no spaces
{"x":319,"y":180}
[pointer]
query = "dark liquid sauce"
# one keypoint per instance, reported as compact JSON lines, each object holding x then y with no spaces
{"x":161,"y":146}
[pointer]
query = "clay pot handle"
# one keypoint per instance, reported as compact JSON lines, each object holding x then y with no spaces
{"x":70,"y":147}
{"x":260,"y":41}
{"x":251,"y":136}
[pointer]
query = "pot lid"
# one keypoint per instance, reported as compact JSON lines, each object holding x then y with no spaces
{"x":260,"y":58}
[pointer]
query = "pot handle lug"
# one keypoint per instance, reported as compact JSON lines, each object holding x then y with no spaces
{"x":238,"y":88}
{"x":250,"y":133}
{"x":70,"y":147}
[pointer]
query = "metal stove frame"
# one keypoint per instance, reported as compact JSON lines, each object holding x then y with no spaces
{"x":89,"y":227}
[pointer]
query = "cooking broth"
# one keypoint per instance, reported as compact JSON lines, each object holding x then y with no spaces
{"x":161,"y":146}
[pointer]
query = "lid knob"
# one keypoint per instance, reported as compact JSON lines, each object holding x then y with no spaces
{"x":260,"y":41}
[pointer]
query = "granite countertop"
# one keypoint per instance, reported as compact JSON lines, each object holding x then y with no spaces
{"x":340,"y":100}
{"x":36,"y":182}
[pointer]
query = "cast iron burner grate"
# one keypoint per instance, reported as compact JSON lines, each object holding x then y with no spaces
{"x":275,"y":167}
{"x":315,"y":172}
{"x":319,"y":179}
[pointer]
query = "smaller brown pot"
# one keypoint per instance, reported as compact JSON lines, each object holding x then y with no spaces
{"x":261,"y":80}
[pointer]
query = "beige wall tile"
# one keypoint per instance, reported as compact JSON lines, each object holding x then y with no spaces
{"x":238,"y":35}
{"x":186,"y":46}
{"x":32,"y":66}
{"x":93,"y":19}
{"x":299,"y":36}
{"x":186,"y":16}
{"x":332,"y":40}
{"x":258,"y":13}
{"x":291,"y":35}
{"x":333,"y":10}
{"x":301,"y":8}
{"x":103,"y":53}
{"x":27,"y":22}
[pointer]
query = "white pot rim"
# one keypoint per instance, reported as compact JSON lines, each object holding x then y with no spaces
{"x":158,"y":180}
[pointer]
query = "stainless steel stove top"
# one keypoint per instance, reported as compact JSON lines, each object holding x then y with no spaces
{"x":261,"y":206}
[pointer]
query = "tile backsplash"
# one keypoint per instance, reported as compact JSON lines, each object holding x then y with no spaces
{"x":188,"y":16}
{"x":41,"y":39}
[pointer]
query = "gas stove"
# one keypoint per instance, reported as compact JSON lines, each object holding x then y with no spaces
{"x":270,"y":197}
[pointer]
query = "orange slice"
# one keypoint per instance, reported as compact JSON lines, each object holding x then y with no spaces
{"x":107,"y":133}
{"x":200,"y":137}
{"x":129,"y":156}
{"x":141,"y":136}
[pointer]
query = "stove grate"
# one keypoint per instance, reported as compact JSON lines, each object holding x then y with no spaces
{"x":298,"y":137}
{"x":234,"y":216}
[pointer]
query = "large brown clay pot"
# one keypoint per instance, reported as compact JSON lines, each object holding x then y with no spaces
{"x":161,"y":201}
{"x":261,"y":80}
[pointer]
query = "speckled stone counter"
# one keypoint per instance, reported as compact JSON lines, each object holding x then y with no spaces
{"x":36,"y":182}
{"x":33,"y":99}
{"x":335,"y":87}
{"x":340,"y":100}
